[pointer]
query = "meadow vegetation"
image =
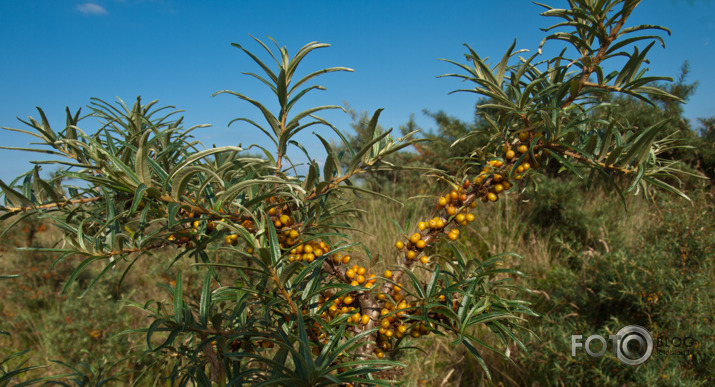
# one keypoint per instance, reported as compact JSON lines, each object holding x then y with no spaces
{"x":577,"y":202}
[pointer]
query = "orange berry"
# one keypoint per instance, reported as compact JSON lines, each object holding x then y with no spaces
{"x":442,"y":202}
{"x":498,"y":188}
{"x":492,"y":197}
{"x":452,"y":236}
{"x":523,"y":149}
{"x":498,"y":163}
{"x":523,"y":136}
{"x":350,"y":273}
{"x":421,"y":243}
{"x":400,"y":245}
{"x":510,"y":154}
{"x":346,"y":259}
{"x":422,"y":226}
{"x":361,"y":270}
{"x":348,"y":300}
{"x":415,"y":237}
{"x":360,"y":279}
{"x":365,"y":319}
{"x":470,"y":217}
{"x":424,"y":259}
{"x":387,"y":274}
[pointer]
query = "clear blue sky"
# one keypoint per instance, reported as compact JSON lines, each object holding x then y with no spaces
{"x":58,"y":53}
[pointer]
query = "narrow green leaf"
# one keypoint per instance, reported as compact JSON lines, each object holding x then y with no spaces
{"x":205,"y":303}
{"x":141,"y":163}
{"x":178,"y":299}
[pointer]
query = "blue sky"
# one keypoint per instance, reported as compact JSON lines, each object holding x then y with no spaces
{"x":58,"y":53}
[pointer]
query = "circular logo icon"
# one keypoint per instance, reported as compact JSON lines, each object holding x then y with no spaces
{"x":635,"y":345}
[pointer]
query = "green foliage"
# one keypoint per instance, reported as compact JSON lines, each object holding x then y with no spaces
{"x":269,"y":298}
{"x":563,"y":111}
{"x":659,"y":277}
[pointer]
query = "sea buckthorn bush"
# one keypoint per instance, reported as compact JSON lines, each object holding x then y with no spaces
{"x":297,"y":302}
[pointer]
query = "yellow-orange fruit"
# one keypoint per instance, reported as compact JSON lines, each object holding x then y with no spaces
{"x":492,"y":197}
